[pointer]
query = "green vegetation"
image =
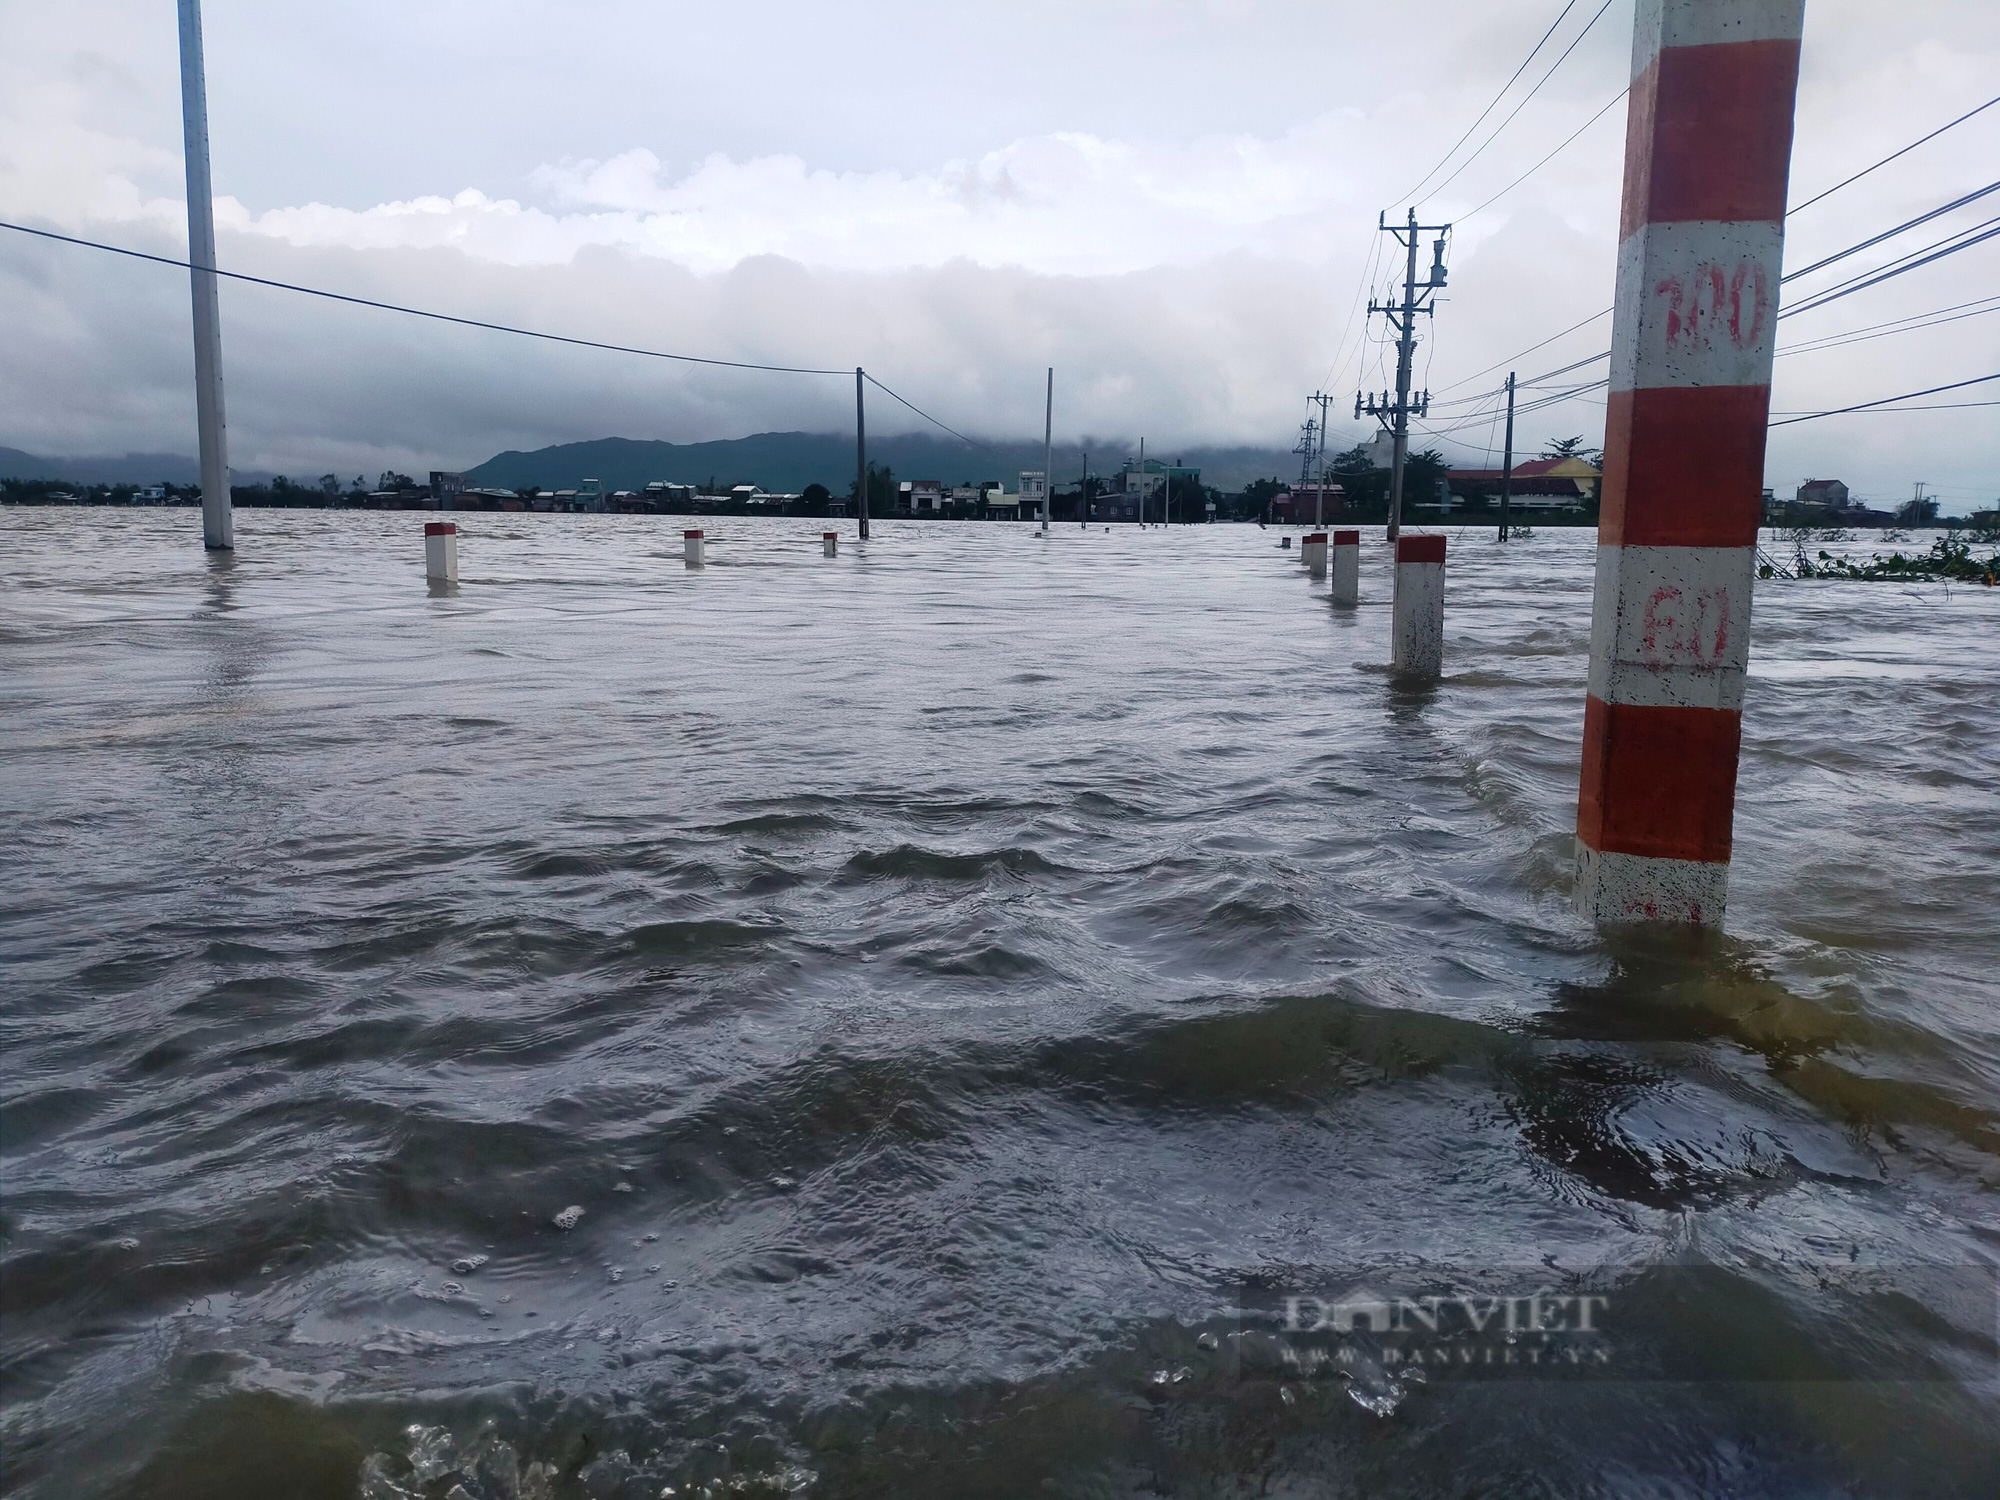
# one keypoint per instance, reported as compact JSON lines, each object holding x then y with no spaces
{"x":1949,"y":560}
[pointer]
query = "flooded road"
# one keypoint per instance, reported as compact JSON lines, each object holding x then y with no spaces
{"x":904,"y":1024}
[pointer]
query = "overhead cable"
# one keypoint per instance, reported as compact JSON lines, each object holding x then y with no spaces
{"x":1894,"y":154}
{"x":1533,"y":53}
{"x":924,"y":414}
{"x":1957,"y":385}
{"x":1517,"y":108}
{"x":418,"y":312}
{"x":1545,"y":160}
{"x":1889,"y":234}
{"x":1965,"y":239}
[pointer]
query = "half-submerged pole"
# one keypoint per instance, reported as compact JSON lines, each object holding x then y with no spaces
{"x":1707,"y":160}
{"x":1507,"y":460}
{"x":218,"y":526}
{"x":1048,"y":446}
{"x":860,"y":454}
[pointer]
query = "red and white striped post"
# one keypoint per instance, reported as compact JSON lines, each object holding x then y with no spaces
{"x":1416,"y":613}
{"x":1347,"y":567}
{"x":829,"y":543}
{"x":694,"y":548}
{"x":441,"y":551}
{"x":1313,"y":554}
{"x":1707,"y":156}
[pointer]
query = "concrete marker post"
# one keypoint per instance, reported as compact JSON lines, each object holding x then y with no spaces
{"x":1416,"y":643}
{"x":694,"y":549}
{"x":829,"y":543}
{"x":1314,"y":550}
{"x":441,"y":551}
{"x":1347,"y":567}
{"x":1701,"y":237}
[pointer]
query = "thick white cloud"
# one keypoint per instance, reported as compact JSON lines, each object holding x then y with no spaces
{"x":1174,"y":206}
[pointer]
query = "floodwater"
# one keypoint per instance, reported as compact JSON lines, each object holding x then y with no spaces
{"x":947,"y":992}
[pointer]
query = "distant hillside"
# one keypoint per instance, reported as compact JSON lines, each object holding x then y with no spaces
{"x":129,"y":468}
{"x":789,"y":461}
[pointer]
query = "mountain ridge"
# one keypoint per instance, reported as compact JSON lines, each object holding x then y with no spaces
{"x":789,"y":461}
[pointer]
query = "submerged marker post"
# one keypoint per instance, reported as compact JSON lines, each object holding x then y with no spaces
{"x":1313,"y":549}
{"x":1346,"y":567}
{"x":1707,"y":159}
{"x":1416,"y":644}
{"x":694,"y":549}
{"x":441,"y":551}
{"x":829,"y":543}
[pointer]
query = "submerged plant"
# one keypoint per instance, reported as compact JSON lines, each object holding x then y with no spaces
{"x":1949,"y":560}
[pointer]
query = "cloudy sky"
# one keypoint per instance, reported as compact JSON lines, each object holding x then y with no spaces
{"x":1173,"y":202}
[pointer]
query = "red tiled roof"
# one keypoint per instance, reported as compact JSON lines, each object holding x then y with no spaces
{"x":1529,"y":468}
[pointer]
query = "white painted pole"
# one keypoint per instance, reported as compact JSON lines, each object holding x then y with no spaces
{"x":441,"y":551}
{"x":1417,"y":632}
{"x":829,"y":543}
{"x":1315,"y":554}
{"x":218,"y":525}
{"x":694,"y":549}
{"x":1347,"y":567}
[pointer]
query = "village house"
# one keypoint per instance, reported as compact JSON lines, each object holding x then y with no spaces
{"x":1539,"y":484}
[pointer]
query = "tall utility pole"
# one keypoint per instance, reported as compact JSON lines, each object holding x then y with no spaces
{"x":218,"y":525}
{"x":1402,"y":316}
{"x":1308,"y":436}
{"x":1083,"y":494}
{"x":1142,"y":481}
{"x":860,"y":455}
{"x":1319,"y":501}
{"x":1048,"y":446}
{"x":1507,"y":459}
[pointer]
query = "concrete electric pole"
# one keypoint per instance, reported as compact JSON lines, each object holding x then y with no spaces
{"x":1402,"y":316}
{"x":860,"y":455}
{"x":218,"y":526}
{"x":1507,"y":460}
{"x":1048,"y":446}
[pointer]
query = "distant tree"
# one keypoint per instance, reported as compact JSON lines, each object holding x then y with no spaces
{"x":881,"y":489}
{"x":1917,"y":513}
{"x":1421,"y":473}
{"x":1572,"y":447}
{"x":816,"y":494}
{"x":391,"y":480}
{"x":1258,"y":492}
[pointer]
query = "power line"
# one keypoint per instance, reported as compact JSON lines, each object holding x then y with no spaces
{"x":1889,"y":234}
{"x":1547,"y":159}
{"x":1894,"y":154}
{"x":418,"y":312}
{"x":1933,"y":406}
{"x":1966,"y":239}
{"x":1530,"y":350}
{"x":1980,"y":308}
{"x":1493,"y":106}
{"x":1517,"y":108}
{"x":1958,"y":385}
{"x":1845,"y":182}
{"x":926,"y":415}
